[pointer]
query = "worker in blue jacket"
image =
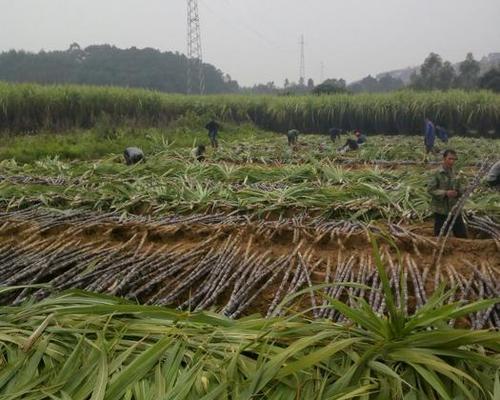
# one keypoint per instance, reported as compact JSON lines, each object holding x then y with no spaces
{"x":429,"y":136}
{"x":442,"y":133}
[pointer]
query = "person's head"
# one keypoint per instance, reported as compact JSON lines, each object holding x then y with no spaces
{"x":357,"y":133}
{"x":449,"y":158}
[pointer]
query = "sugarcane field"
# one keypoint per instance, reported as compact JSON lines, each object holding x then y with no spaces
{"x":163,"y":246}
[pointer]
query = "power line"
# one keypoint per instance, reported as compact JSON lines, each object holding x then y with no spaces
{"x":194,"y":51}
{"x":241,"y":25}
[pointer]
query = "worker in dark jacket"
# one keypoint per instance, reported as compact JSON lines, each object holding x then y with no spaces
{"x":352,"y":144}
{"x":429,"y":136}
{"x":445,"y":190}
{"x":334,"y":134}
{"x":213,"y":128}
{"x":493,"y":177}
{"x":133,"y":155}
{"x":360,"y":138}
{"x":293,"y":137}
{"x":198,"y":153}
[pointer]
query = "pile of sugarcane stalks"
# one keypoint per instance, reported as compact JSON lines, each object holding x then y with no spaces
{"x":228,"y":273}
{"x":35,"y":180}
{"x":315,"y":230}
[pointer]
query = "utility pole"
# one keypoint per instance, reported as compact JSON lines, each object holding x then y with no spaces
{"x":195,"y":77}
{"x":302,"y":72}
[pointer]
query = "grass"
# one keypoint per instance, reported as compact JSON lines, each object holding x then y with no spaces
{"x":78,"y":345}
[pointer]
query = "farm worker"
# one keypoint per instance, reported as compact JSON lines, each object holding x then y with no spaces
{"x":493,"y":177}
{"x":198,"y":152}
{"x":293,"y":136}
{"x":353,"y":144}
{"x":133,"y":155}
{"x":213,"y":128}
{"x":442,"y":134}
{"x":334,"y":134}
{"x":430,"y":136}
{"x":445,"y":190}
{"x":360,"y":138}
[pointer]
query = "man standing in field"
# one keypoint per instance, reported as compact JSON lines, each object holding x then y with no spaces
{"x":429,"y":137}
{"x":213,"y":128}
{"x":445,"y":190}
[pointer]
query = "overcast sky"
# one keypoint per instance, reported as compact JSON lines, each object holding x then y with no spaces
{"x":258,"y":40}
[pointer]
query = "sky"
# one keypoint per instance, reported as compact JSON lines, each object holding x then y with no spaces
{"x":258,"y":40}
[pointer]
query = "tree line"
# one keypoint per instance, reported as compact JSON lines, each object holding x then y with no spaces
{"x":167,"y":72}
{"x":108,"y":65}
{"x":433,"y":74}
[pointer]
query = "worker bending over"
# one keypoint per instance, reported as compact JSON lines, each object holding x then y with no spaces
{"x":133,"y":155}
{"x":352,"y":144}
{"x":198,"y":153}
{"x":442,"y":133}
{"x":493,"y":177}
{"x":293,"y":137}
{"x":334,"y":134}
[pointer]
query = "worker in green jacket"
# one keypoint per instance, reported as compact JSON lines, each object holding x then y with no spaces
{"x":445,"y":189}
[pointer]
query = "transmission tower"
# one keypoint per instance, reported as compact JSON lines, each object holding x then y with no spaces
{"x":195,"y":77}
{"x":302,"y":72}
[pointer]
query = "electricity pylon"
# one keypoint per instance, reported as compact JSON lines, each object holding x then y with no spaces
{"x":195,"y":77}
{"x":302,"y":69}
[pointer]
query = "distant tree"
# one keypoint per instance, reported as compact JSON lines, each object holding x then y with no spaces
{"x":331,"y":86}
{"x":491,"y":80}
{"x":446,"y":77}
{"x":430,"y":72}
{"x":388,"y":83}
{"x":434,"y":74}
{"x":286,"y":84}
{"x":264,"y":88}
{"x":468,"y":73}
{"x":310,"y":84}
{"x":370,"y":84}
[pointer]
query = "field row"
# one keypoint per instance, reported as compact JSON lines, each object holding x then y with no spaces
{"x":170,"y":181}
{"x":208,"y":263}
